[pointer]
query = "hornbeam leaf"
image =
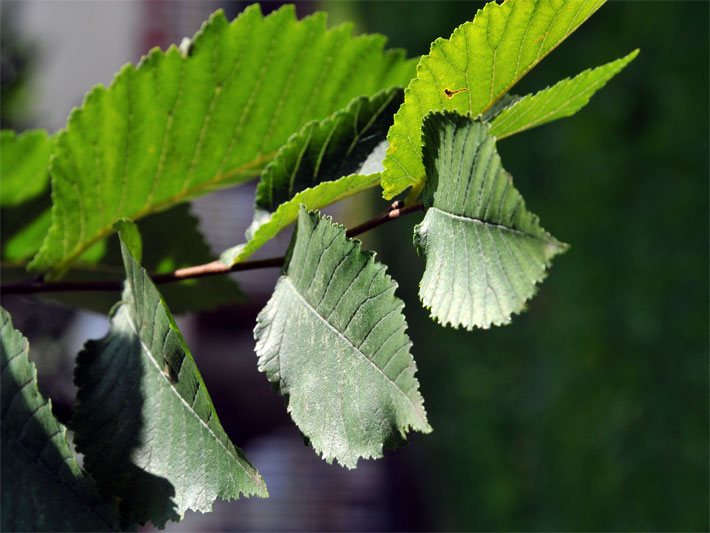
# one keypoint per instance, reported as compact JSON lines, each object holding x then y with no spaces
{"x":26,"y":218}
{"x":24,"y":164}
{"x":144,"y":420}
{"x":184,"y":123}
{"x":320,"y":166}
{"x":469,"y":72}
{"x":329,"y":149}
{"x":332,"y":340}
{"x":484,"y":251}
{"x":24,"y":192}
{"x":43,"y":487}
{"x":561,"y":100}
{"x":317,"y":197}
{"x":182,"y":246}
{"x":23,"y":228}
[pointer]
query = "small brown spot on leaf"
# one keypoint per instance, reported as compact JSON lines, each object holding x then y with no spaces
{"x":451,"y":93}
{"x":167,"y":373}
{"x":539,"y":38}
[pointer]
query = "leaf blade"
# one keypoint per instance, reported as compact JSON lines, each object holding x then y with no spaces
{"x":333,"y":356}
{"x":140,"y":385}
{"x":325,"y":162}
{"x":322,"y":195}
{"x":181,"y":125}
{"x":485,"y":253}
{"x":561,"y":100}
{"x":329,"y":149}
{"x":36,"y":457}
{"x":467,"y":74}
{"x":24,"y":165}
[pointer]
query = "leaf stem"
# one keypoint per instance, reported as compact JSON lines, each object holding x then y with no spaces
{"x":214,"y":268}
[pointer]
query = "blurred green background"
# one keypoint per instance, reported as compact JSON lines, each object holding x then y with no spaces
{"x":590,"y":411}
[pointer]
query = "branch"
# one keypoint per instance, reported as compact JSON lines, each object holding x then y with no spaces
{"x":396,"y":210}
{"x":214,"y":268}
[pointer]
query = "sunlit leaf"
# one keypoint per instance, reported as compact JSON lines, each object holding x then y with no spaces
{"x":469,"y":72}
{"x":184,"y":123}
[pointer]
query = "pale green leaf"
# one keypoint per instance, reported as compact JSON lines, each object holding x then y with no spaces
{"x":43,"y":487}
{"x":469,"y":72}
{"x":180,"y":125}
{"x":484,"y":251}
{"x":144,"y":420}
{"x":333,"y":340}
{"x":561,"y":100}
{"x":319,"y":166}
{"x":24,"y":164}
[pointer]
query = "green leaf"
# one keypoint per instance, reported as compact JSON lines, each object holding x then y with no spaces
{"x":23,"y":228}
{"x":561,"y":100}
{"x":24,"y":164}
{"x":144,"y":420}
{"x":182,"y":246}
{"x":24,"y":193}
{"x":317,"y":197}
{"x":484,"y":251}
{"x":180,"y":125}
{"x":309,"y":169}
{"x":332,"y":340}
{"x":43,"y":487}
{"x":469,"y":72}
{"x":163,"y":252}
{"x":131,"y":238}
{"x":329,"y":149}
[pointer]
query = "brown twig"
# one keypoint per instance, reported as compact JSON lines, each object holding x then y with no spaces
{"x":214,"y":268}
{"x":395,"y":211}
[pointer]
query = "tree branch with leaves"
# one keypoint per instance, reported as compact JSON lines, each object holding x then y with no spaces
{"x":317,"y":115}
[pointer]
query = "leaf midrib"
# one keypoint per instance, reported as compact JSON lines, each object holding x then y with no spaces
{"x":494,"y":225}
{"x":294,"y":289}
{"x":152,"y":359}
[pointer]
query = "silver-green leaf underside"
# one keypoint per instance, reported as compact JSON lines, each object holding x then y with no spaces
{"x":484,"y":251}
{"x":24,"y":165}
{"x":182,"y":124}
{"x":561,"y":100}
{"x":144,"y":420}
{"x":43,"y":487}
{"x":333,"y":340}
{"x":471,"y":70}
{"x":326,"y":161}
